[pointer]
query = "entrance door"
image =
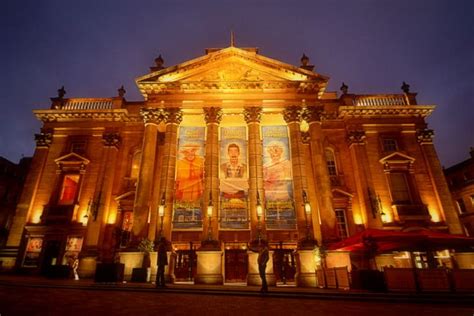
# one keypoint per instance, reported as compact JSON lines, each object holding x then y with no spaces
{"x":51,"y":255}
{"x":284,"y":265}
{"x":236,"y":265}
{"x":185,"y":265}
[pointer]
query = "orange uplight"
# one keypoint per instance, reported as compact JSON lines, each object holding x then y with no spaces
{"x":36,"y":216}
{"x":358,"y":219}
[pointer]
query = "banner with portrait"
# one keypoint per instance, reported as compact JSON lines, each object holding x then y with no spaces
{"x":189,"y":184}
{"x":33,"y":251}
{"x":233,"y":176}
{"x":278,"y":178}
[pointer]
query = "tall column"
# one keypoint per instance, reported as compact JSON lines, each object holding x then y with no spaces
{"x":24,"y":212}
{"x":151,"y":117}
{"x":321,"y":175}
{"x":172,"y":117}
{"x":443,"y":195}
{"x":363,"y":179}
{"x":212,"y":116}
{"x":253,"y":116}
{"x":292,"y":116}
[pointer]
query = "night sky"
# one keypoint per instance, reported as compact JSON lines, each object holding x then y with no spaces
{"x":93,"y":47}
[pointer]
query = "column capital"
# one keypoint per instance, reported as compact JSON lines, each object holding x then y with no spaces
{"x":356,"y":137}
{"x":425,"y":136}
{"x":212,"y":115}
{"x":43,"y":140}
{"x":111,"y":139}
{"x":292,"y":114}
{"x":151,"y":115}
{"x":252,"y":114}
{"x":313,"y":114}
{"x":305,"y":138}
{"x":173,"y":116}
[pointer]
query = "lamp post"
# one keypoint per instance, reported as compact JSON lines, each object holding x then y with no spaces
{"x":210,"y":208}
{"x":307,"y":213}
{"x":161,"y":212}
{"x":259,"y":216}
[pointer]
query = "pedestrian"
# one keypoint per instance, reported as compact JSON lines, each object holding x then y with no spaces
{"x":263,"y":257}
{"x":162,"y":261}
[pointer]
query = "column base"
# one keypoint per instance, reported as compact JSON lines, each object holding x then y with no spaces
{"x":254,"y":279}
{"x":87,"y":267}
{"x":209,"y":267}
{"x":306,"y":279}
{"x":8,"y":258}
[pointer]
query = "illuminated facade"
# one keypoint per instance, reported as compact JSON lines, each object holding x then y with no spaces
{"x":226,"y":148}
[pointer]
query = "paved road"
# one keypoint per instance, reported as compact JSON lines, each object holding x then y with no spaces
{"x":20,"y":300}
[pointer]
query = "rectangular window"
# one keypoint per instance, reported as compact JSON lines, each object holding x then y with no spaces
{"x":461,"y":206}
{"x":399,"y":188}
{"x":389,"y":144}
{"x":69,"y":189}
{"x":341,"y":223}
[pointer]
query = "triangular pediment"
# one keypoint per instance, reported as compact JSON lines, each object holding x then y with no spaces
{"x":339,"y":194}
{"x":72,"y":158}
{"x":397,"y":158}
{"x":228,"y":66}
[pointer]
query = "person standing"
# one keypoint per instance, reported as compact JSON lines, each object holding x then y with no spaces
{"x":263,"y":257}
{"x":162,"y":261}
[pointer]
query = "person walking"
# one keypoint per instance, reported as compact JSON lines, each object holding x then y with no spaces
{"x":263,"y":257}
{"x":162,"y":261}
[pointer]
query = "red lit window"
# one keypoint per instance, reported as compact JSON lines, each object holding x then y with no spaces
{"x":69,"y":189}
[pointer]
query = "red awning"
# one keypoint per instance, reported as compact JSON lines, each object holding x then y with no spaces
{"x":387,"y":240}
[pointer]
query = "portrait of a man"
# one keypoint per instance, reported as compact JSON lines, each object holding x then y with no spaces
{"x":234,"y":167}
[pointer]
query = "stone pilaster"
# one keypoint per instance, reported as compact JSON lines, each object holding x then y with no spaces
{"x":103,"y":192}
{"x":443,"y":195}
{"x":292,"y":116}
{"x":362,"y":177}
{"x":321,"y":175}
{"x":151,"y":117}
{"x":212,"y":116}
{"x":172,"y":117}
{"x":24,"y":213}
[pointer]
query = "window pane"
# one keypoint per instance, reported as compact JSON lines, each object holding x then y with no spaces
{"x":399,"y":188}
{"x":341,"y":222}
{"x":69,"y":189}
{"x":331,"y":162}
{"x":389,"y":144}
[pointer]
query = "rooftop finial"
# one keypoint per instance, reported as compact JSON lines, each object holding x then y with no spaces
{"x":405,"y":87}
{"x":232,"y":39}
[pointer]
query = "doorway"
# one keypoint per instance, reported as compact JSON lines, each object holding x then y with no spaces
{"x":284,"y":265}
{"x":51,"y":255}
{"x":236,"y":265}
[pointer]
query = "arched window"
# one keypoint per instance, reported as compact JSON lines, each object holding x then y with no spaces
{"x":330,"y":162}
{"x":135,"y":167}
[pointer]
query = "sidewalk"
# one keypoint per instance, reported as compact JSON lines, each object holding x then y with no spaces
{"x":241,"y":290}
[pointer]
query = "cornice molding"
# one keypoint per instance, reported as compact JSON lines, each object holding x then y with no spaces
{"x":385,"y":111}
{"x":117,"y":115}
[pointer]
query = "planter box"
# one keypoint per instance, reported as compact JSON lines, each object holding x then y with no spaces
{"x":109,"y":272}
{"x":141,"y":275}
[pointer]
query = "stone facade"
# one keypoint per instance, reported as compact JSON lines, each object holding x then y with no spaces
{"x":322,"y":167}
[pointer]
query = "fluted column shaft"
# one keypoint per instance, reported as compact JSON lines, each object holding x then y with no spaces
{"x":151,"y":117}
{"x":173,"y":118}
{"x":292,"y":116}
{"x":252,"y":116}
{"x":321,"y":175}
{"x":212,"y":116}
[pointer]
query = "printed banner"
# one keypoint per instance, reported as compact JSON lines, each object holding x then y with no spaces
{"x":277,"y":179}
{"x":233,"y":175}
{"x":189,"y":178}
{"x":33,"y":250}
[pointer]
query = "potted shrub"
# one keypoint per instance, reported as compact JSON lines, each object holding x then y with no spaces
{"x":143,"y":274}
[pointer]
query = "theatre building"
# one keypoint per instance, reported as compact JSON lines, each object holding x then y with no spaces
{"x":225,"y":152}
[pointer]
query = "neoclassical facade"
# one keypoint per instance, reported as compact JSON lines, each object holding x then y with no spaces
{"x":228,"y":148}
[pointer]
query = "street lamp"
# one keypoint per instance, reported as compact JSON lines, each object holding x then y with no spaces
{"x":161,"y":212}
{"x":307,"y":213}
{"x":210,"y":208}
{"x":259,"y":216}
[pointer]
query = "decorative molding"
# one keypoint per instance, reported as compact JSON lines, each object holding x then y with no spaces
{"x":118,"y":115}
{"x":425,"y":136}
{"x":252,"y":114}
{"x":111,"y":140}
{"x":387,"y":111}
{"x":212,"y":115}
{"x":292,"y":114}
{"x":356,"y":137}
{"x":152,"y":115}
{"x":43,"y":140}
{"x":313,"y":114}
{"x":173,"y":116}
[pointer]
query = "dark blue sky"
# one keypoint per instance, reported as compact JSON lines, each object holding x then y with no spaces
{"x":93,"y":47}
